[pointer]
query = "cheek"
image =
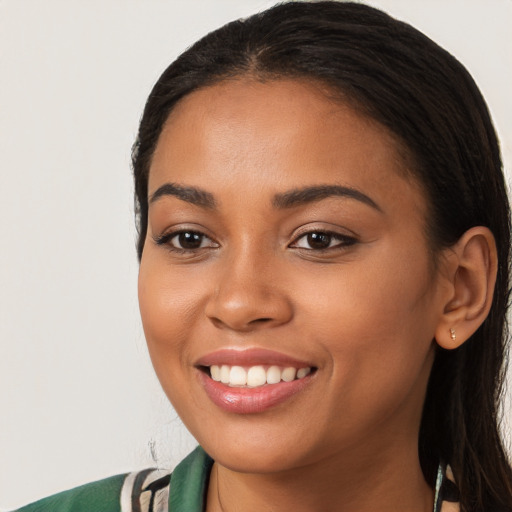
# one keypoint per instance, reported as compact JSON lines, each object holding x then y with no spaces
{"x":380,"y":345}
{"x":375,"y":318}
{"x":168,"y":304}
{"x":375,"y":294}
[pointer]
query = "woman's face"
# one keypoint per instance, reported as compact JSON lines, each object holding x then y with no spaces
{"x":286,"y":242}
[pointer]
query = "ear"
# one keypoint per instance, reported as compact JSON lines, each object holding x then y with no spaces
{"x":472,"y":271}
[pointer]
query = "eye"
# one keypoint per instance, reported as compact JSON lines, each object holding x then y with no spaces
{"x":188,"y":240}
{"x":185,"y":241}
{"x":322,"y":240}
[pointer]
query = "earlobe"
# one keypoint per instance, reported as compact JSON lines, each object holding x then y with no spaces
{"x":473,"y":278}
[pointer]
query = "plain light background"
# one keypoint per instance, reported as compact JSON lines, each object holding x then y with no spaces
{"x":78,"y":399}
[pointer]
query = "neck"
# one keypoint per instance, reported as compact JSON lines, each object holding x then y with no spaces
{"x":345,"y":482}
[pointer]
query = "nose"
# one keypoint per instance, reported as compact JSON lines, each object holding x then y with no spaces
{"x":249,"y":294}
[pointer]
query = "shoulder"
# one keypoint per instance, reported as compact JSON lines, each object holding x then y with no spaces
{"x":144,"y":491}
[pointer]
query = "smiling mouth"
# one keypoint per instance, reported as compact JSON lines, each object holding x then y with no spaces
{"x":255,"y":376}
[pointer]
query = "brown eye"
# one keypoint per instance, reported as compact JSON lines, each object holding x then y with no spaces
{"x":323,"y":240}
{"x":188,"y":240}
{"x":319,"y":240}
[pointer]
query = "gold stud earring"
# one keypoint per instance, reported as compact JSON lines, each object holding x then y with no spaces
{"x":453,"y":335}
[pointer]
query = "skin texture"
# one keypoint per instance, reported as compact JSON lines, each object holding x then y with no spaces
{"x":364,"y":312}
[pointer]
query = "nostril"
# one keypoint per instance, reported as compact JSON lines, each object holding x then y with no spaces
{"x":260,"y":320}
{"x":242,"y":326}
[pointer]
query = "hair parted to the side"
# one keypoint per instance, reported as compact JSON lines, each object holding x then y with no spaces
{"x":399,"y":77}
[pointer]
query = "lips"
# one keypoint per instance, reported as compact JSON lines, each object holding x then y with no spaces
{"x":252,"y":380}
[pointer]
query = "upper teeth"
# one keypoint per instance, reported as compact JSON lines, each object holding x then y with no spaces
{"x":255,"y":375}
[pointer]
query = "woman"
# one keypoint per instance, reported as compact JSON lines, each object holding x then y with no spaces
{"x":324,"y":251}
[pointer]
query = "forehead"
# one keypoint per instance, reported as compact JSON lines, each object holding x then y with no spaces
{"x":283,"y":134}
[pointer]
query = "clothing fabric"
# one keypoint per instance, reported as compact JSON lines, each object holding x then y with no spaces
{"x":183,"y":490}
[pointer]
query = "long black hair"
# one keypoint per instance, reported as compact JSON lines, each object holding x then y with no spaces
{"x":395,"y":74}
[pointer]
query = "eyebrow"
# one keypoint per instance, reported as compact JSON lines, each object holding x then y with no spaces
{"x":191,"y":195}
{"x":301,"y":196}
{"x":290,"y":199}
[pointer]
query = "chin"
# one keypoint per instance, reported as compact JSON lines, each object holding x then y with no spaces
{"x":255,"y":449}
{"x":261,"y":461}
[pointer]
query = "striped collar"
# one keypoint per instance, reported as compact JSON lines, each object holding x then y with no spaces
{"x":185,"y":489}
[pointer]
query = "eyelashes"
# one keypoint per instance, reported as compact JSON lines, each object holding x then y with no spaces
{"x":316,"y":241}
{"x":322,"y":241}
{"x":186,"y":241}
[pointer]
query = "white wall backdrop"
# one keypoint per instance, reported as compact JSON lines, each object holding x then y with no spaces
{"x":78,"y":400}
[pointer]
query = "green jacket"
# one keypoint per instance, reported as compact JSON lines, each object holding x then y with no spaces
{"x":143,"y":491}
